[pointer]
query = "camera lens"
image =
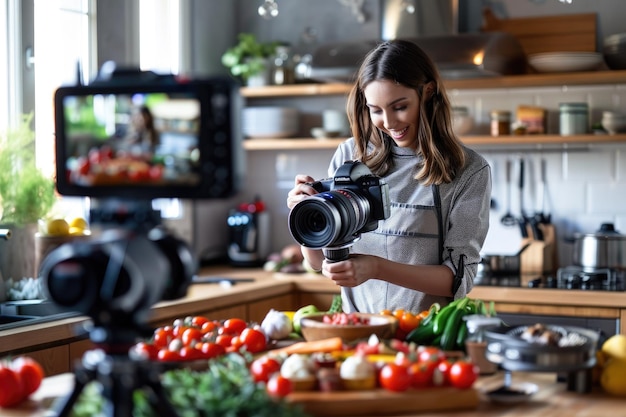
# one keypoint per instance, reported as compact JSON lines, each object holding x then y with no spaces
{"x":328,"y":219}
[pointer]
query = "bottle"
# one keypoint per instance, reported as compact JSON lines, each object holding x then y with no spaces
{"x":500,"y":122}
{"x":573,"y":119}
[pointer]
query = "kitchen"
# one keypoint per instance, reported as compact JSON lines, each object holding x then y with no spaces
{"x":590,"y":173}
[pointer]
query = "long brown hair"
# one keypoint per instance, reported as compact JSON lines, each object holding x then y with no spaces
{"x":405,"y":63}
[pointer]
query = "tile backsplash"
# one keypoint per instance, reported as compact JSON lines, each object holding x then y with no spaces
{"x":585,"y":183}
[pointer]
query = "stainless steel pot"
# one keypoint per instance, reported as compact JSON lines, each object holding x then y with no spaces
{"x":604,"y":249}
{"x":502,"y":264}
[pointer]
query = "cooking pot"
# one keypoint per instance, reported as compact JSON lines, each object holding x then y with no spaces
{"x":604,"y":249}
{"x":501,"y":264}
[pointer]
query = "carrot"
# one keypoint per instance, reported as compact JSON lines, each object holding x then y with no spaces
{"x":331,"y":344}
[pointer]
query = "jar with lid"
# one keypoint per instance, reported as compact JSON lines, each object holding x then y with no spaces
{"x":500,"y":122}
{"x":573,"y":119}
{"x":283,"y":68}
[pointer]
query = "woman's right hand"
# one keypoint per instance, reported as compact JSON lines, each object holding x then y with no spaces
{"x":301,"y":190}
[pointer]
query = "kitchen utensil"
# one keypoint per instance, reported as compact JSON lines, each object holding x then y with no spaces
{"x":605,"y":248}
{"x":523,"y":220}
{"x":542,"y":217}
{"x":508,"y":219}
{"x":503,"y":264}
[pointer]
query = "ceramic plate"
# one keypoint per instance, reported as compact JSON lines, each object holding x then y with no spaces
{"x":565,"y":61}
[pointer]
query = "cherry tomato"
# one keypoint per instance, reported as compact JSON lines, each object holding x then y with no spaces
{"x":443,"y":368}
{"x":162,"y":337}
{"x":208,"y":327}
{"x":191,"y":336}
{"x":421,"y":374}
{"x":30,"y":372}
{"x":263,"y":368}
{"x":167,"y":355}
{"x":279,"y":386}
{"x":146,"y":350}
{"x":234,"y":326}
{"x":188,"y":353}
{"x":430,"y":354}
{"x":224,"y":340}
{"x":463,"y":374}
{"x":199,"y":321}
{"x":11,"y":389}
{"x":254,"y":340}
{"x":211,"y":350}
{"x":395,"y":377}
{"x":155,"y":172}
{"x":408,"y":321}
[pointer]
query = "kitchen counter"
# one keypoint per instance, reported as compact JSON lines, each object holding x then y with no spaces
{"x":267,"y":284}
{"x":552,"y":399}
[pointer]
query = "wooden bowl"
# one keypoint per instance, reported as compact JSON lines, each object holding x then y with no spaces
{"x":314,"y":328}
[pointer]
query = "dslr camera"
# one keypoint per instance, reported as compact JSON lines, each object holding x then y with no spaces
{"x":347,"y":205}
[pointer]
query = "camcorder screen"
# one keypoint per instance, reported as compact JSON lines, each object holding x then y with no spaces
{"x":146,"y":142}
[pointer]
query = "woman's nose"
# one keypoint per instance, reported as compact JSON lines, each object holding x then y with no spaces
{"x":388,"y":121}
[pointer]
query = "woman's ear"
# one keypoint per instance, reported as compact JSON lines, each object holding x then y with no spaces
{"x":429,"y":90}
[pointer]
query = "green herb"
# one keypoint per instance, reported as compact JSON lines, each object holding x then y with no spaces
{"x":225,"y":389}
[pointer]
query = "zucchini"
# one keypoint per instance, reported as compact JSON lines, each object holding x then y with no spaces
{"x":432,"y":312}
{"x":452,"y":325}
{"x":422,"y":334}
{"x":441,"y":318}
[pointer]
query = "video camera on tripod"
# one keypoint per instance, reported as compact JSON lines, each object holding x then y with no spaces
{"x":124,"y":140}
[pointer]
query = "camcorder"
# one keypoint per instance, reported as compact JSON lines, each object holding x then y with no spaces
{"x":347,"y":205}
{"x":125,"y":139}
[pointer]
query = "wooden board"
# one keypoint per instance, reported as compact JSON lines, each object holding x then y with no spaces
{"x":384,"y":403}
{"x":560,"y":33}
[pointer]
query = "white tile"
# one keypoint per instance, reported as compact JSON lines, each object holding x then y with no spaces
{"x":607,"y":198}
{"x":585,"y":166}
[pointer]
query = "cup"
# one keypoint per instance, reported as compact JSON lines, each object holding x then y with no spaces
{"x":335,"y":121}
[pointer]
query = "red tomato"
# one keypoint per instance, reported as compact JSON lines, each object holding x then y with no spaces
{"x":191,"y":336}
{"x":208,"y":327}
{"x":162,"y":337}
{"x":430,"y":354}
{"x":443,"y":369}
{"x":234,"y":326}
{"x":30,"y":372}
{"x":11,"y":389}
{"x":421,"y":374}
{"x":155,"y":172}
{"x":188,"y":353}
{"x":167,"y":355}
{"x":146,"y":350}
{"x":408,"y":321}
{"x":253,"y":340}
{"x":224,"y":340}
{"x":199,"y":321}
{"x":263,"y":368}
{"x":279,"y":386}
{"x":395,"y":377}
{"x":211,"y":350}
{"x":463,"y":374}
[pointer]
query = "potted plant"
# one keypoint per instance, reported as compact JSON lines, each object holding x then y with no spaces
{"x":249,"y":59}
{"x":26,"y":195}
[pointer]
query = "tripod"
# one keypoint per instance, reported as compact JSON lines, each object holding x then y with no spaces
{"x":119,"y":376}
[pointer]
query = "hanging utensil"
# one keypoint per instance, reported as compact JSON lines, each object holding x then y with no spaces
{"x":543,"y":217}
{"x":508,"y":219}
{"x":523,"y":223}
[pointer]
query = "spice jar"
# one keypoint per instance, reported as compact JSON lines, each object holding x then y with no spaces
{"x":574,"y":118}
{"x":283,"y":70}
{"x":500,"y":122}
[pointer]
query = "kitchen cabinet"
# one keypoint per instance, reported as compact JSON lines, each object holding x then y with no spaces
{"x":517,"y":81}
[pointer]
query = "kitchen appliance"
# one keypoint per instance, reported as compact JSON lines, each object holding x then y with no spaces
{"x":249,"y":234}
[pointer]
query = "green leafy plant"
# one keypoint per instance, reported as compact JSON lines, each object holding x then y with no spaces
{"x":26,"y":194}
{"x":248,"y":57}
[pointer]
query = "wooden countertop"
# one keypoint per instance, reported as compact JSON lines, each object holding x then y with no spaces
{"x":268,"y":284}
{"x":552,"y":399}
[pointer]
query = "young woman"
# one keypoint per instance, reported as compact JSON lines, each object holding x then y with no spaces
{"x":428,"y":249}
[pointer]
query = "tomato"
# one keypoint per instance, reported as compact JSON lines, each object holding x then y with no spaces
{"x":199,"y":321}
{"x":146,"y":350}
{"x":211,"y":350}
{"x":408,"y":321}
{"x":395,"y":377}
{"x":422,"y":373}
{"x":463,"y":374}
{"x":155,"y":172}
{"x":168,"y":355}
{"x":253,"y":340}
{"x":191,"y":336}
{"x":188,"y":353}
{"x":234,"y":326}
{"x":263,"y":368}
{"x":279,"y":386}
{"x":430,"y":354}
{"x":443,"y":368}
{"x":11,"y":389}
{"x":224,"y":340}
{"x":161,"y":337}
{"x":208,"y":327}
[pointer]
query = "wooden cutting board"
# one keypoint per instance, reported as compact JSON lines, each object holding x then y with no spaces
{"x":384,"y":403}
{"x":560,"y":33}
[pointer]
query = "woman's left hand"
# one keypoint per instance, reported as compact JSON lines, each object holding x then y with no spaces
{"x":353,"y":271}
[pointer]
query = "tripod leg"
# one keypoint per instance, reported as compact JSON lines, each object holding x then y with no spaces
{"x":64,"y":406}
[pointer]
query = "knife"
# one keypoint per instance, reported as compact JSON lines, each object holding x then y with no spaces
{"x":218,"y":280}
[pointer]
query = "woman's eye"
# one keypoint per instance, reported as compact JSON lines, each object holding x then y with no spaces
{"x":400,"y":108}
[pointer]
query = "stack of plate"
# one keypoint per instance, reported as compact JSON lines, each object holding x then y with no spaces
{"x":270,"y":122}
{"x":565,"y":61}
{"x":615,"y":51}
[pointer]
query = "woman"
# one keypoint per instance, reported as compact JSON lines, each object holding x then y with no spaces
{"x":428,"y":249}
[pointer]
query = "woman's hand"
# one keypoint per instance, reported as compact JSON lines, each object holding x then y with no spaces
{"x":353,"y":271}
{"x":301,"y":190}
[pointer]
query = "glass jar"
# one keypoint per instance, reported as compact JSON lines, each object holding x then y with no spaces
{"x":500,"y":122}
{"x":573,"y":119}
{"x":283,"y":71}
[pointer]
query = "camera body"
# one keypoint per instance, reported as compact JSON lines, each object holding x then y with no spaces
{"x":348,"y":204}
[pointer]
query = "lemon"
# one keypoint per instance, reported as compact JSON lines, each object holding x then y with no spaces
{"x":615,"y":347}
{"x":79,"y":223}
{"x":58,"y":227}
{"x":613,"y":378}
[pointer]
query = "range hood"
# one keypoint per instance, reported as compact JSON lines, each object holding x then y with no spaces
{"x":457,"y":56}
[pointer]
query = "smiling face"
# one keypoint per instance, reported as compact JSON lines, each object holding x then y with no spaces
{"x":394,"y":109}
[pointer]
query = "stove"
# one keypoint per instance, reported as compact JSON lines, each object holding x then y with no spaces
{"x":566,"y":278}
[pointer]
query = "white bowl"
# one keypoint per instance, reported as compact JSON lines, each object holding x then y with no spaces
{"x":270,"y":122}
{"x":565,"y":61}
{"x":613,"y":123}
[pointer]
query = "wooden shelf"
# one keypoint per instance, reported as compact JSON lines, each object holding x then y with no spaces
{"x":512,"y":81}
{"x":537,"y":141}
